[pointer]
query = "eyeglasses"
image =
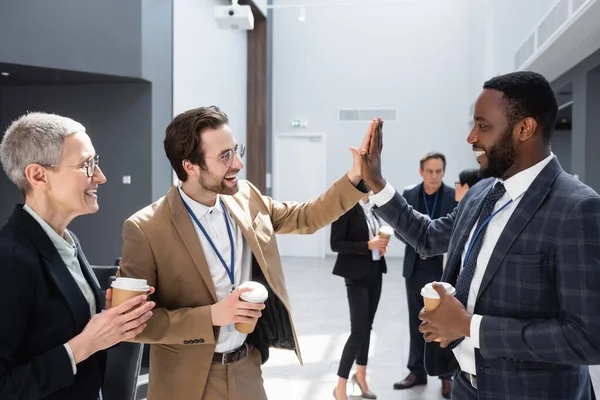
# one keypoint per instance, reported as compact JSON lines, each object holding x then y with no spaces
{"x":457,"y":184}
{"x":89,"y":166}
{"x":228,"y":157}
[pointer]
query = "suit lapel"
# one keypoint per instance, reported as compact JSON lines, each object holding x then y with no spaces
{"x":412,"y":197}
{"x":185,"y":227}
{"x":54,"y":265}
{"x":90,"y":277}
{"x":361,"y":215}
{"x":526,"y":209}
{"x":68,"y":288}
{"x":239,"y":208}
{"x":473,"y":208}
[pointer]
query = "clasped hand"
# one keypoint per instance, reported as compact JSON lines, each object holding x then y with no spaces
{"x":449,"y":321}
{"x":232,"y":310}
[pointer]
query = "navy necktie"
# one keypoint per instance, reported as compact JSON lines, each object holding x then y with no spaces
{"x":463,"y":284}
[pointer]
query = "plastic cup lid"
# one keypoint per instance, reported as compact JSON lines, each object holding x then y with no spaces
{"x":429,"y":292}
{"x":138,"y":285}
{"x":386,"y":230}
{"x":258,"y":295}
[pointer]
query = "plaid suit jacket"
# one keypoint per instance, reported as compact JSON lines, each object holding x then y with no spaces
{"x":540,"y":295}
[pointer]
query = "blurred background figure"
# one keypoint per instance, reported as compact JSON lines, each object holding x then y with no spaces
{"x":466,"y":179}
{"x":434,"y":199}
{"x":361,"y":262}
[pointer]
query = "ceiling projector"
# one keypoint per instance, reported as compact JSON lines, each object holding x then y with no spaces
{"x":234,"y":16}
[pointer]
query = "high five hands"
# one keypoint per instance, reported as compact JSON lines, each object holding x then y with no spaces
{"x":369,"y":156}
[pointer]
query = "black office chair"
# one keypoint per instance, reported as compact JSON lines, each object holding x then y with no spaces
{"x":122,"y":370}
{"x":105,"y":275}
{"x":123,"y":360}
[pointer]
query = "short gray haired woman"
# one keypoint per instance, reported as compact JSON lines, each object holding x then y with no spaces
{"x":53,"y":340}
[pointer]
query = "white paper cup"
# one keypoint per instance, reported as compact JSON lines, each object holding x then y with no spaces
{"x":259,"y":294}
{"x":386,"y":232}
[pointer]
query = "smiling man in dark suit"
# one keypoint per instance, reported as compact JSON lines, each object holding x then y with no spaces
{"x":434,"y":199}
{"x":524,"y":251}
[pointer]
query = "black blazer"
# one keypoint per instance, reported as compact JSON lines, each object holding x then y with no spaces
{"x":447,"y":204}
{"x":349,"y":238}
{"x":42,"y":308}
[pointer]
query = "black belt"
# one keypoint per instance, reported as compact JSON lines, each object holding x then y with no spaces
{"x":472,"y":379}
{"x":233,"y":355}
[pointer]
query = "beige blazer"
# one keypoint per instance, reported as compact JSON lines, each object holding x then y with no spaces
{"x":160,"y":245}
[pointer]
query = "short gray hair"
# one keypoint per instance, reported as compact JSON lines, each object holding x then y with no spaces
{"x":34,"y":138}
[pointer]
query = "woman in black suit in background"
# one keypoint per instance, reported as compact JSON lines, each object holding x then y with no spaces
{"x":354,"y":236}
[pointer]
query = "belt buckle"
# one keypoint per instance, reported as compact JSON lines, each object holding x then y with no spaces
{"x":423,"y":257}
{"x":224,"y":357}
{"x":472,"y":380}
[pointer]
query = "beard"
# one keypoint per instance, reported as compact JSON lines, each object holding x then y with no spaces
{"x":217,"y":184}
{"x":500,"y":157}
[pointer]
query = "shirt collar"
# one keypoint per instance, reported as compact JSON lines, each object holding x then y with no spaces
{"x":440,"y":189}
{"x":200,"y":210}
{"x":518,"y":184}
{"x":64,"y":244}
{"x":366,"y":204}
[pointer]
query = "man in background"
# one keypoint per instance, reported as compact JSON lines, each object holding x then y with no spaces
{"x":431,"y":197}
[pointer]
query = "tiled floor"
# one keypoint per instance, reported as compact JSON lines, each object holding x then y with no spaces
{"x":321,"y":316}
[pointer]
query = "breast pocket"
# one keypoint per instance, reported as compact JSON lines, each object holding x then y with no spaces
{"x":528,"y":282}
{"x":263,"y":227}
{"x":528,"y":269}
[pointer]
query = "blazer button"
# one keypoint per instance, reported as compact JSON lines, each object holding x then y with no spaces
{"x":196,"y":341}
{"x":186,"y":342}
{"x":200,"y":340}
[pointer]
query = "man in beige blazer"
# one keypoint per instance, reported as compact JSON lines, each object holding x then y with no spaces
{"x":184,"y":244}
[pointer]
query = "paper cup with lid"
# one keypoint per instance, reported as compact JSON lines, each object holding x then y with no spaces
{"x":259,"y":294}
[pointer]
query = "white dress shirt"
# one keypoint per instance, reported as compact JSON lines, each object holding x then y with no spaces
{"x":516,"y":186}
{"x":213,"y":221}
{"x":67,"y":250}
{"x":372,"y":223}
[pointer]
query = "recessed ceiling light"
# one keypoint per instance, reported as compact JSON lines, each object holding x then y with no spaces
{"x":4,"y":73}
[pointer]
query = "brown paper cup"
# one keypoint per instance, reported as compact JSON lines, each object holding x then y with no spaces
{"x":431,"y":299}
{"x":124,"y":289}
{"x":245,"y":327}
{"x":120,"y":296}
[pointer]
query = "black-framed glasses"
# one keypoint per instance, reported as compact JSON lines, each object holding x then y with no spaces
{"x":89,"y":166}
{"x":228,"y":157}
{"x":457,"y":184}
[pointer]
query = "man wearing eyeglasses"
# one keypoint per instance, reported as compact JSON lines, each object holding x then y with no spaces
{"x":435,"y":199}
{"x":209,"y":234}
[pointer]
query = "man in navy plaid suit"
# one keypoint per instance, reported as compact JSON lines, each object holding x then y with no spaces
{"x":523,"y":253}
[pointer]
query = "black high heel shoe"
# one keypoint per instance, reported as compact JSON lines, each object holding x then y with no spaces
{"x":365,"y":395}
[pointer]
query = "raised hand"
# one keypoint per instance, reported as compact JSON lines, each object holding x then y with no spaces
{"x":354,"y":174}
{"x":370,"y":152}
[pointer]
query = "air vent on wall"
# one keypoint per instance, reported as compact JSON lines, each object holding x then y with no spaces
{"x":348,"y":115}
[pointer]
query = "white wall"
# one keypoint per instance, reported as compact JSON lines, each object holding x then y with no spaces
{"x":497,"y":28}
{"x":209,"y":64}
{"x":413,"y":57}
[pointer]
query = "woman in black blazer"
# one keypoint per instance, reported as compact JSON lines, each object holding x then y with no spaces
{"x":354,"y":236}
{"x":53,"y":335}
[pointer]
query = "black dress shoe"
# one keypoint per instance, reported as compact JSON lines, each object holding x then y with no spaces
{"x":447,"y":388}
{"x":410,"y":381}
